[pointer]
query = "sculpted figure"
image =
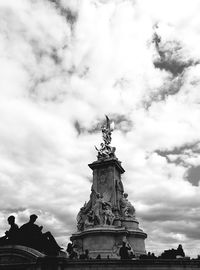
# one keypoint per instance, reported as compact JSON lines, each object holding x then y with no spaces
{"x":107,"y":131}
{"x":89,"y":220}
{"x":108,"y":215}
{"x":81,"y":219}
{"x":124,"y":251}
{"x":12,"y":235}
{"x":106,"y":151}
{"x":127,"y":209}
{"x":31,"y":235}
{"x":98,"y":209}
{"x":70,"y":249}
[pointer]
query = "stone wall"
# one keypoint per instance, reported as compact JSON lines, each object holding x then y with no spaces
{"x":53,"y":263}
{"x":22,"y":258}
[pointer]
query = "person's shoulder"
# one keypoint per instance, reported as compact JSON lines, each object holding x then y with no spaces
{"x":35,"y":226}
{"x":24,"y":225}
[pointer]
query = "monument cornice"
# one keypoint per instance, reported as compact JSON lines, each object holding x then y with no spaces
{"x":107,"y":162}
{"x":106,"y":230}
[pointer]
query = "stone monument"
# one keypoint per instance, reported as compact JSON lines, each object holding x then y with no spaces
{"x":108,"y":218}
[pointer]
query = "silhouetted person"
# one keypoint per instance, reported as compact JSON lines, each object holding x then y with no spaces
{"x":87,"y":254}
{"x":71,"y":252}
{"x":84,"y":256}
{"x":31,"y":235}
{"x":98,"y":257}
{"x":11,"y":236}
{"x":173,"y":253}
{"x":180,"y":251}
{"x":131,"y":255}
{"x":123,"y":252}
{"x":153,"y":256}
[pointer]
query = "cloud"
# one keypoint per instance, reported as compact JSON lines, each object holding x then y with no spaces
{"x":172,"y":58}
{"x":64,"y":65}
{"x":121,"y":123}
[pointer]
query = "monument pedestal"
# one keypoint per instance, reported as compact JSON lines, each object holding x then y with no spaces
{"x":108,"y":218}
{"x":95,"y":235}
{"x":107,"y":241}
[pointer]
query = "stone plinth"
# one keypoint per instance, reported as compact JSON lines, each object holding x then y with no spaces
{"x":19,"y":254}
{"x":96,"y":231}
{"x":22,"y":258}
{"x":107,"y":241}
{"x":107,"y":179}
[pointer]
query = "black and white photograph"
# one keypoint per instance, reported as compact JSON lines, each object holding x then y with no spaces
{"x":99,"y":134}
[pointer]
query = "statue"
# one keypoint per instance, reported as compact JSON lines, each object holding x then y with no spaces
{"x":12,"y":235}
{"x":89,"y":221}
{"x":70,"y":250}
{"x":81,"y":217}
{"x":106,"y":151}
{"x":127,"y":209}
{"x":108,"y":215}
{"x":31,"y":236}
{"x":98,"y":210}
{"x":124,"y":251}
{"x":107,"y":131}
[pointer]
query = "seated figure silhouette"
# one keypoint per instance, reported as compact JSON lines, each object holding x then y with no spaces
{"x":70,"y":250}
{"x":85,"y":255}
{"x":173,"y":253}
{"x":12,"y":235}
{"x":123,"y":252}
{"x":31,"y":235}
{"x":179,"y":251}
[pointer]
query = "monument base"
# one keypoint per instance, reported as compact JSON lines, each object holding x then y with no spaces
{"x":107,"y":240}
{"x":18,"y":254}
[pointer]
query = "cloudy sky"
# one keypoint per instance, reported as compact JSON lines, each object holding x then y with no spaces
{"x":64,"y":64}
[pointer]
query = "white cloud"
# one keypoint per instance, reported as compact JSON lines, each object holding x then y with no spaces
{"x":53,"y":74}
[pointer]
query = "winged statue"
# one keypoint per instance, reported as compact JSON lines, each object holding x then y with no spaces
{"x":106,"y":151}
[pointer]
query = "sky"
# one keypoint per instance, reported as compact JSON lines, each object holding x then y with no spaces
{"x":64,"y":64}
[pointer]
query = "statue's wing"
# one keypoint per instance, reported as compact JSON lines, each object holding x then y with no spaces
{"x":112,"y":126}
{"x":107,"y":123}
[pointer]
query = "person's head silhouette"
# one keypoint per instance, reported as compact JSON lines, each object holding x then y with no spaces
{"x":33,"y":218}
{"x":11,"y":220}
